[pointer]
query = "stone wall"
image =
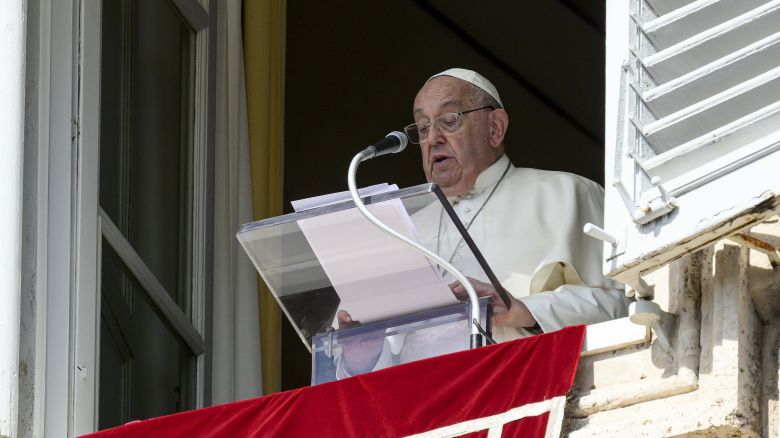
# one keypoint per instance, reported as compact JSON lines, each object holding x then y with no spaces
{"x":718,"y":375}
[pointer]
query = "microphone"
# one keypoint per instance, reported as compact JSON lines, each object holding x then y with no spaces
{"x":393,"y":142}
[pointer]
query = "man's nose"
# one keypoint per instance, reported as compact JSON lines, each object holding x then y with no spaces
{"x":435,"y":136}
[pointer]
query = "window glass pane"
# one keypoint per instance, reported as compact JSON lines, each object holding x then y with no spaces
{"x":146,"y":370}
{"x":114,"y":377}
{"x":145,"y":134}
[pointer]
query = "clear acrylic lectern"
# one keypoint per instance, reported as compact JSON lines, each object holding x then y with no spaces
{"x":327,"y":259}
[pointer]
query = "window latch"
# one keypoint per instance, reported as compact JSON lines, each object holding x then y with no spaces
{"x":647,"y":211}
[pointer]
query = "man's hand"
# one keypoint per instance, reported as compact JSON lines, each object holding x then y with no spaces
{"x":517,"y":315}
{"x":358,"y":356}
{"x":345,"y":320}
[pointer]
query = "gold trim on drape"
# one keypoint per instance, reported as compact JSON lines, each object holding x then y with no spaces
{"x":264,"y":38}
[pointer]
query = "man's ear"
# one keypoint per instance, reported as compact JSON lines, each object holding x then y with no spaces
{"x":499,"y":122}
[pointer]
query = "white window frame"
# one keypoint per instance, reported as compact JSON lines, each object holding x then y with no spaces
{"x":69,"y":231}
{"x":53,"y":338}
{"x":86,"y":238}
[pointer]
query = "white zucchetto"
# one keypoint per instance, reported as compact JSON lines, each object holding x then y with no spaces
{"x":471,"y":77}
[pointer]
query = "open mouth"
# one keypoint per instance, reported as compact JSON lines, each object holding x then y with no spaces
{"x":438,"y":159}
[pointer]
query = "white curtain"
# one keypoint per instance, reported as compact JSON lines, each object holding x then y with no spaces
{"x":236,"y":371}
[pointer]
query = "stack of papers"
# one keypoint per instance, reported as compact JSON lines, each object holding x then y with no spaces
{"x":375,"y":275}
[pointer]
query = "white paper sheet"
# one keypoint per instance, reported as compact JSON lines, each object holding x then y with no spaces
{"x":333,"y":198}
{"x":375,"y":275}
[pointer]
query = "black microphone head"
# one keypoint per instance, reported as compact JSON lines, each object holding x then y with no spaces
{"x":393,"y":143}
{"x":402,"y":139}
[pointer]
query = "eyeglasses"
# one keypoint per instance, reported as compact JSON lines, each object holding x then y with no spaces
{"x":445,"y":123}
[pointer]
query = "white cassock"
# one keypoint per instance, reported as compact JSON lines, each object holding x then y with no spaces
{"x":530,"y":233}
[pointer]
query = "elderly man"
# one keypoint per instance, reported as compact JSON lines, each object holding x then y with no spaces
{"x":526,"y":222}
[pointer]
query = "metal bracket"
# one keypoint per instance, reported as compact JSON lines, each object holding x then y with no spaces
{"x":329,"y":351}
{"x":638,"y":286}
{"x":647,"y":211}
{"x":649,"y":314}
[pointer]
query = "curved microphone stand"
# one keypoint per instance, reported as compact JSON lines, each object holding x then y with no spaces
{"x":476,"y":336}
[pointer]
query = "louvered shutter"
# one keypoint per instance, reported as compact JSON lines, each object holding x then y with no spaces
{"x":692,"y":126}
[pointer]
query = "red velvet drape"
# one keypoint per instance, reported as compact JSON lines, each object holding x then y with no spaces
{"x":403,"y":400}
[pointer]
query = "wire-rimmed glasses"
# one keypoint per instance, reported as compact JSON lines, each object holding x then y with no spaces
{"x":445,"y":123}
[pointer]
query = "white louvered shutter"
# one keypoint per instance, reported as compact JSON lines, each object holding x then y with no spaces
{"x":692,"y":125}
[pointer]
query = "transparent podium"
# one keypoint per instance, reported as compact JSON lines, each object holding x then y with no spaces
{"x":359,"y":299}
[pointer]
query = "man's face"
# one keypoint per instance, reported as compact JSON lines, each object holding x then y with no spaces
{"x":454,"y":160}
